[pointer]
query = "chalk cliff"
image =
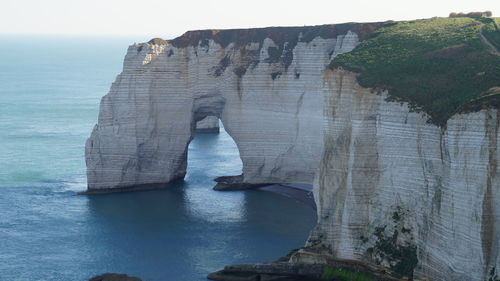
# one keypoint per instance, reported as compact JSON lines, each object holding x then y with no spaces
{"x":395,"y":191}
{"x":392,"y":190}
{"x":265,"y":85}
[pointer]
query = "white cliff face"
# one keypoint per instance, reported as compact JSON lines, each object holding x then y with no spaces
{"x":209,"y":124}
{"x":391,"y":189}
{"x":395,"y":191}
{"x":270,"y":103}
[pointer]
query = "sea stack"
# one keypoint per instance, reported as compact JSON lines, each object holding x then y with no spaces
{"x":265,"y":85}
{"x":405,"y":172}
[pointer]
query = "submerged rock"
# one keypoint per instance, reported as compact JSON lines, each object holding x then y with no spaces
{"x":114,"y":277}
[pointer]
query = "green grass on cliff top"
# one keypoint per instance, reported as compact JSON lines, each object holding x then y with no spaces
{"x":492,"y":32}
{"x":439,"y":66}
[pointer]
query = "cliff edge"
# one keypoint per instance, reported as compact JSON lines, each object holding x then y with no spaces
{"x":396,"y":123}
{"x":265,"y":85}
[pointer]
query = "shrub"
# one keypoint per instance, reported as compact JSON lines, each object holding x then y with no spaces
{"x":472,"y":14}
{"x":492,"y":32}
{"x":331,"y":273}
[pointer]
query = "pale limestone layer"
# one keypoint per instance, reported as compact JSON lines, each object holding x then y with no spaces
{"x":386,"y":175}
{"x":209,"y":124}
{"x":383,"y":170}
{"x":274,"y":112}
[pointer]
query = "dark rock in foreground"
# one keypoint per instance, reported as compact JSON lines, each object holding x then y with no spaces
{"x":285,"y":269}
{"x":115,"y":277}
{"x":281,"y":271}
{"x":235,"y":183}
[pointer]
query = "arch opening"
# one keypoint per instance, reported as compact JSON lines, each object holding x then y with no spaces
{"x":220,"y":155}
{"x":213,"y":154}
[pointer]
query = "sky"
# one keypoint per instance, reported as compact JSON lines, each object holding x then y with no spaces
{"x":167,"y":19}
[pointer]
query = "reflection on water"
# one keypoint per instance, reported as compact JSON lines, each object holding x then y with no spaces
{"x":48,"y":106}
{"x":209,"y":156}
{"x":179,"y":233}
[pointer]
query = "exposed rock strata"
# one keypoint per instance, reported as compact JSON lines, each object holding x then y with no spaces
{"x":264,"y":84}
{"x":396,"y":191}
{"x":392,"y":190}
{"x":283,"y":270}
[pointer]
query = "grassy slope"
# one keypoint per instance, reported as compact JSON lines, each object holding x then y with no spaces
{"x":492,"y":32}
{"x":437,"y":65}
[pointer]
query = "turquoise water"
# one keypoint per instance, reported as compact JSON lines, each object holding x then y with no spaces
{"x":50,"y":88}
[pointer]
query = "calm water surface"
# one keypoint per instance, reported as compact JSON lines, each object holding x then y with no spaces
{"x":49,"y":93}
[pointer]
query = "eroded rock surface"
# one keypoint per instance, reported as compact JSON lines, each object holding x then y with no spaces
{"x":395,"y":191}
{"x":392,"y":190}
{"x":264,"y":84}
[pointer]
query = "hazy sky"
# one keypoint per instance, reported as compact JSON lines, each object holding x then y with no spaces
{"x":166,"y":18}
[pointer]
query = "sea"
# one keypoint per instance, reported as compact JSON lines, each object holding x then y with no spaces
{"x":50,"y":88}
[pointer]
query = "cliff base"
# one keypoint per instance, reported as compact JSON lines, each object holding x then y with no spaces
{"x":283,"y":270}
{"x":235,"y":183}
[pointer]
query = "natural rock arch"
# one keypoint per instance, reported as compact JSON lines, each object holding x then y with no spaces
{"x":278,"y":105}
{"x":271,"y":106}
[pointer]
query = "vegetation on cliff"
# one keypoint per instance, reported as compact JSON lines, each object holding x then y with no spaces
{"x":492,"y":31}
{"x":437,"y":65}
{"x":284,"y":38}
{"x":332,"y":273}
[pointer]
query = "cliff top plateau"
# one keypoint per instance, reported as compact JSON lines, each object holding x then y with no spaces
{"x":440,"y":66}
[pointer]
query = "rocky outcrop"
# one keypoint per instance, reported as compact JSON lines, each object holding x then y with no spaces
{"x":336,"y":270}
{"x":265,"y":85}
{"x":209,"y":124}
{"x":282,"y":271}
{"x":393,"y":190}
{"x":400,"y":195}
